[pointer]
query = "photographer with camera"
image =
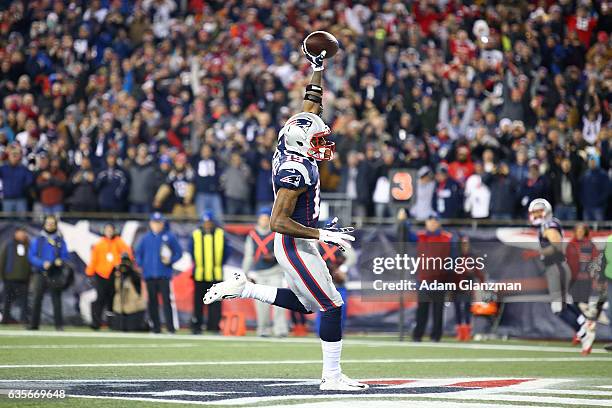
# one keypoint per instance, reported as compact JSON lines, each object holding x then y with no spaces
{"x":129,"y":304}
{"x":105,"y":256}
{"x":48,"y":255}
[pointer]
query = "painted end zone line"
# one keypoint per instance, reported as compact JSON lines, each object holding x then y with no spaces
{"x":348,"y":341}
{"x":293,"y":362}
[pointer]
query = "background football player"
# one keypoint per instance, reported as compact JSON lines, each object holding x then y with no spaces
{"x":302,"y":141}
{"x":558,"y":274}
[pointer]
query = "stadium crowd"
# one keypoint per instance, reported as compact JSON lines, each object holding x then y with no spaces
{"x":176,"y":105}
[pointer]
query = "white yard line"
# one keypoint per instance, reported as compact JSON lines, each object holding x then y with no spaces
{"x":424,"y":382}
{"x":570,"y":392}
{"x":371,"y":400}
{"x":97,"y":346}
{"x":582,"y":402}
{"x":348,"y":341}
{"x":398,"y":404}
{"x":302,"y":362}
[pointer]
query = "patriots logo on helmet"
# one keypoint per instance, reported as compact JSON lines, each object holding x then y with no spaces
{"x":293,"y":180}
{"x":304,"y":123}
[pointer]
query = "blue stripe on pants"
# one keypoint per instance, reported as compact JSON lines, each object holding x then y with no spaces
{"x":300,"y":267}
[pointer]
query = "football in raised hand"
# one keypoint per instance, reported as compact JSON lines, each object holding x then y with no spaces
{"x":319,"y":41}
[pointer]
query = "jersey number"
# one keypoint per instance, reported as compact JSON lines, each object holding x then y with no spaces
{"x":206,"y":168}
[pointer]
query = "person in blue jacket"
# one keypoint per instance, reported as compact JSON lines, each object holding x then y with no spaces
{"x":594,"y":190}
{"x":447,"y":200}
{"x":16,"y":180}
{"x":155,"y":253}
{"x":47,"y":255}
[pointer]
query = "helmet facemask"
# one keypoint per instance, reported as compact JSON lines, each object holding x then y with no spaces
{"x":320,"y":148}
{"x":537,"y":216}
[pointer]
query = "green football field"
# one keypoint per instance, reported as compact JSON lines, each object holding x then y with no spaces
{"x":107,"y":369}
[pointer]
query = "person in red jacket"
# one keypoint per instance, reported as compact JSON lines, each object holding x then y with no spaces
{"x":462,"y":167}
{"x":462,"y":299}
{"x":433,"y":242}
{"x":580,"y":253}
{"x":583,"y":24}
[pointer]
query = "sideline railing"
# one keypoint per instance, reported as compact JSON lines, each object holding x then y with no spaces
{"x":249,"y":219}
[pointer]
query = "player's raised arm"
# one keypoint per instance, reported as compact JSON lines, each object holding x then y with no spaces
{"x":313,"y":99}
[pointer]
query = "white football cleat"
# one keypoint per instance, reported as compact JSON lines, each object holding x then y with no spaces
{"x":587,"y":342}
{"x":229,"y":289}
{"x":342,"y":383}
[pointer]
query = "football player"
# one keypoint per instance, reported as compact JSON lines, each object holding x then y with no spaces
{"x":558,"y":274}
{"x":301,"y":143}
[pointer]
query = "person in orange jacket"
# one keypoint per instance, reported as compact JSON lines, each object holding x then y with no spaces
{"x":105,"y":255}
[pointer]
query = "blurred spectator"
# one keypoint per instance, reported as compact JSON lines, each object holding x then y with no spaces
{"x":595,"y":189}
{"x":178,"y":188}
{"x":235,"y":182}
{"x":565,"y":191}
{"x":207,"y":184}
{"x":447,"y":200}
{"x":424,"y":192}
{"x":105,"y":256}
{"x":16,"y":180}
{"x":382,"y":187}
{"x":82,"y":188}
{"x":15,"y":270}
{"x":264,"y":193}
{"x":519,"y":169}
{"x":48,"y":255}
{"x":354,"y":182}
{"x":157,"y":250}
{"x":111,"y":185}
{"x":534,"y":186}
{"x":142,"y":188}
{"x":51,"y":185}
{"x":477,"y":194}
{"x":463,"y":167}
{"x":503,"y":192}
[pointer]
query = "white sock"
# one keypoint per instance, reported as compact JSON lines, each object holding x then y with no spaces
{"x":332,"y":350}
{"x":263,"y":293}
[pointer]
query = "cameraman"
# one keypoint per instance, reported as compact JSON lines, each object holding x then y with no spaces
{"x":48,"y":255}
{"x":129,"y":303}
{"x":105,"y":255}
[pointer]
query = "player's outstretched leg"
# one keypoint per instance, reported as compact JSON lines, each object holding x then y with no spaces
{"x":228,"y":289}
{"x":239,"y":286}
{"x":330,"y":329}
{"x":574,"y":318}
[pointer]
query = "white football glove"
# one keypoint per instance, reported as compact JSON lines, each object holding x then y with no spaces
{"x":316,"y":61}
{"x":339,"y":237}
